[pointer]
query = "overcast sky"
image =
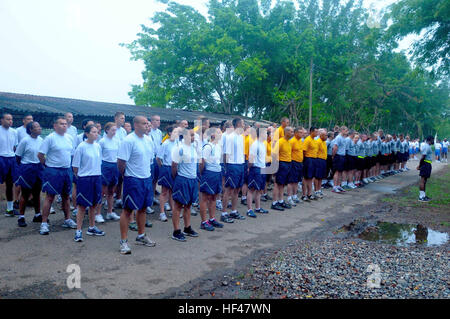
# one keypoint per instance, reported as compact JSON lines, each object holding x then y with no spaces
{"x":70,"y":48}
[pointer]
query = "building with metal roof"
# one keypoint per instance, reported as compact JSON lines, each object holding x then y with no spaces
{"x":44,"y":109}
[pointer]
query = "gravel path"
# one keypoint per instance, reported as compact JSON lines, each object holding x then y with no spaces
{"x":338,"y":269}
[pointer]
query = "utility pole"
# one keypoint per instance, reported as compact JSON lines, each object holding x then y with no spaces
{"x":310,"y":90}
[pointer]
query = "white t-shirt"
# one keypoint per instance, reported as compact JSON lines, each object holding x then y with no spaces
{"x":72,"y":131}
{"x":58,"y":150}
{"x":79,"y":139}
{"x":258,"y":152}
{"x":186,"y":157}
{"x":28,"y":149}
{"x":437,"y":146}
{"x":445,"y":144}
{"x":235,"y":148}
{"x":165,"y":151}
{"x":138,"y":153}
{"x":212,"y":154}
{"x":21,"y":133}
{"x":8,"y":140}
{"x":110,"y":148}
{"x":88,"y":159}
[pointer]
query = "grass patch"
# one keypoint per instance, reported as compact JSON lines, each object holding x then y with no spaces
{"x":437,"y":188}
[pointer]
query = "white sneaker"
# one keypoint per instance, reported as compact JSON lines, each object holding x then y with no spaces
{"x":352,"y":186}
{"x":69,"y":224}
{"x":167,"y":207}
{"x":99,"y":219}
{"x":163,"y":217}
{"x":155,"y":201}
{"x":318,"y":194}
{"x":112,"y":216}
{"x":219,"y":205}
{"x":44,"y":229}
{"x":150,"y":210}
{"x":291,"y":202}
{"x":52,"y":210}
{"x":124,"y":248}
{"x":58,"y":199}
{"x":71,"y":207}
{"x":74,"y":212}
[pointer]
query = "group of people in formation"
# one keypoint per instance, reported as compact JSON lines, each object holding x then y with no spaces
{"x":205,"y":167}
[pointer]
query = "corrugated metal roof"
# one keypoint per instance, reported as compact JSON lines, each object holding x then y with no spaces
{"x":55,"y":105}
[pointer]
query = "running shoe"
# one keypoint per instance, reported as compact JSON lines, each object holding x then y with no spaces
{"x":206,"y":226}
{"x":193,"y":212}
{"x":163,"y":217}
{"x":305,"y":198}
{"x":312,"y":197}
{"x":118,"y":203}
{"x":424,"y":199}
{"x":149,"y":210}
{"x":71,"y":207}
{"x":94,"y":231}
{"x":190,"y":232}
{"x":291,"y":202}
{"x":167,"y":207}
{"x":226,"y":219}
{"x":37,"y":219}
{"x":99,"y":219}
{"x":296,"y":200}
{"x":219,"y":205}
{"x":148,"y":224}
{"x":277,"y":206}
{"x":44,"y":229}
{"x":155,"y":201}
{"x":74,"y":212}
{"x":251,"y":213}
{"x":341,"y":189}
{"x":285,"y":205}
{"x":52,"y":210}
{"x":267,"y":196}
{"x":178,"y":235}
{"x":229,"y":204}
{"x":21,"y":222}
{"x":215,"y":223}
{"x":336,"y":190}
{"x":112,"y":216}
{"x":318,"y":194}
{"x":124,"y":248}
{"x":11,"y":213}
{"x":261,"y":211}
{"x":244,"y":201}
{"x":69,"y":224}
{"x":58,"y":198}
{"x":145,"y":240}
{"x":236,"y":215}
{"x":133,"y":226}
{"x":263,"y":198}
{"x":78,"y":236}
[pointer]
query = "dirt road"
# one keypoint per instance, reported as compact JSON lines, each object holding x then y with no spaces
{"x":34,"y":266}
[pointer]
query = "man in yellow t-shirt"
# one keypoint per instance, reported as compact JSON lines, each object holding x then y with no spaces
{"x":310,"y":150}
{"x":296,"y":167}
{"x":321,"y":162}
{"x":282,"y":151}
{"x":279,"y":132}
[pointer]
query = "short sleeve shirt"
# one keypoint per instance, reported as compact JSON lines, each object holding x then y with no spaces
{"x":138,"y":153}
{"x":88,"y":159}
{"x":8,"y":140}
{"x":28,"y":149}
{"x":58,"y":150}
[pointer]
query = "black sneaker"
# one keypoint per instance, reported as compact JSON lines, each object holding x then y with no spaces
{"x":236,"y":216}
{"x":286,"y":205}
{"x":312,"y":197}
{"x":305,"y":198}
{"x":37,"y":219}
{"x":215,"y":223}
{"x":244,"y":201}
{"x":424,"y":199}
{"x":21,"y":222}
{"x":178,"y":235}
{"x":277,"y":207}
{"x":268,"y":197}
{"x":262,"y":211}
{"x":190,"y":232}
{"x":148,"y":224}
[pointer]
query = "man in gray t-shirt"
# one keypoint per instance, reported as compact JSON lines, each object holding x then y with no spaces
{"x":425,"y":168}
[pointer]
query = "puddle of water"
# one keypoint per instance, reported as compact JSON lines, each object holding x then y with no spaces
{"x":403,"y":235}
{"x":382,"y":188}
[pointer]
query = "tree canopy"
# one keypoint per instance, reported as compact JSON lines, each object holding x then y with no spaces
{"x":252,"y":58}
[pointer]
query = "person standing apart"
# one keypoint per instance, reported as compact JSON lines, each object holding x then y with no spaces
{"x":133,"y":159}
{"x":110,"y":173}
{"x":30,"y":172}
{"x":55,"y":154}
{"x":8,"y":164}
{"x":425,"y":168}
{"x":87,"y":167}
